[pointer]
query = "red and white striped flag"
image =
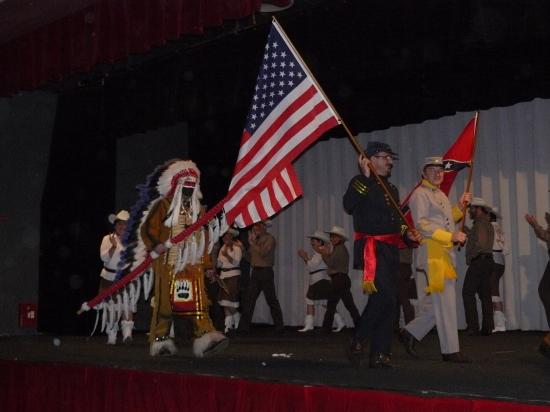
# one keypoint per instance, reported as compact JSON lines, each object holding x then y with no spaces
{"x":288,"y":113}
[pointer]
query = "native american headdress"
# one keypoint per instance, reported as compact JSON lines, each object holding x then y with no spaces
{"x":178,"y":181}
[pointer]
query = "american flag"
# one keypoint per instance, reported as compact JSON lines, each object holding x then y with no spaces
{"x":288,"y":113}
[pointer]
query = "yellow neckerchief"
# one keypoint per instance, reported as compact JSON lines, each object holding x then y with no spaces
{"x":440,"y":266}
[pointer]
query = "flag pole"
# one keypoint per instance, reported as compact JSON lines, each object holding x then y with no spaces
{"x":351,"y":137}
{"x":470,"y":172}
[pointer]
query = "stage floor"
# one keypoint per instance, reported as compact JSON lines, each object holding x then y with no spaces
{"x":506,"y":366}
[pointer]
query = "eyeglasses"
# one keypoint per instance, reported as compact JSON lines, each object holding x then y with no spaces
{"x":385,"y":157}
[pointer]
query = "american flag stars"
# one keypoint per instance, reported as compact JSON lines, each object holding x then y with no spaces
{"x":280,"y":74}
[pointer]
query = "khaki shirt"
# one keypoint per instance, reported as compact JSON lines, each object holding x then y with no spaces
{"x":480,"y":240}
{"x":338,"y":260}
{"x":262,"y":251}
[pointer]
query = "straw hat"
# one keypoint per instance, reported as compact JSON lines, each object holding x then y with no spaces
{"x":338,"y":231}
{"x":121,"y":215}
{"x":480,"y":202}
{"x":319,"y":236}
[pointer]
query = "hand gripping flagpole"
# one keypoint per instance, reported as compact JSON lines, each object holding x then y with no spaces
{"x":351,"y":137}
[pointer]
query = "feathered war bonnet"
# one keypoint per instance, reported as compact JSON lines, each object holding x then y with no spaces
{"x":181,"y":174}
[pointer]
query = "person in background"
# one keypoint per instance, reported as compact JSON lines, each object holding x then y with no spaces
{"x":262,"y":277}
{"x":479,"y":258}
{"x":109,"y":252}
{"x":337,"y":261}
{"x":544,"y":285}
{"x":319,"y":289}
{"x":406,"y":287}
{"x":499,"y":250}
{"x":229,"y":259}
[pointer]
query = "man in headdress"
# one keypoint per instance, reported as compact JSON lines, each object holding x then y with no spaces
{"x":378,"y":236}
{"x":179,"y":269}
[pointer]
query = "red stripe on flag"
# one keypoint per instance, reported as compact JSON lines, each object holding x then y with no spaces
{"x":260,"y":208}
{"x":296,"y":186}
{"x":284,"y":189}
{"x":263,"y":140}
{"x":249,"y":177}
{"x":289,"y":157}
{"x":273,"y":198}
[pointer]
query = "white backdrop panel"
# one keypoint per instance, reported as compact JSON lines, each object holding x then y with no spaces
{"x":511,"y":172}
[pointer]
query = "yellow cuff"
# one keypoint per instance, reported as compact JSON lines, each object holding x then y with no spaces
{"x":457,"y":214}
{"x":442,"y":236}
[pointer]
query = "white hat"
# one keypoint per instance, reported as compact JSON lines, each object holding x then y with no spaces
{"x":433,"y":161}
{"x":338,"y":231}
{"x":480,"y":202}
{"x":494,"y":210}
{"x":320,"y":236}
{"x":121,"y":215}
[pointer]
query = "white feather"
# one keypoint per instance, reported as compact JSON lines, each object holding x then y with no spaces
{"x":216,"y":230}
{"x":111,"y":314}
{"x":125,"y":303}
{"x":184,"y":256}
{"x":200,"y":345}
{"x":133,"y":294}
{"x":104,"y":314}
{"x":224,"y":227}
{"x":210,"y":238}
{"x":97,"y":313}
{"x":148,"y":280}
{"x":200,"y":246}
{"x":193,"y":249}
{"x":118,"y":308}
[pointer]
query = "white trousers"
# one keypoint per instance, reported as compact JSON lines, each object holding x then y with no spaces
{"x":439,"y":310}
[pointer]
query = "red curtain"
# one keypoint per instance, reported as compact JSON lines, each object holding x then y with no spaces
{"x":107,"y":31}
{"x":38,"y":387}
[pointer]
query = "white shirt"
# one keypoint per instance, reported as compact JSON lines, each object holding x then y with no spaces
{"x":314,"y":264}
{"x":109,"y":262}
{"x":499,"y":244}
{"x":234,"y":261}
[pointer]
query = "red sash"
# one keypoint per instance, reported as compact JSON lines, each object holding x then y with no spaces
{"x":369,"y":251}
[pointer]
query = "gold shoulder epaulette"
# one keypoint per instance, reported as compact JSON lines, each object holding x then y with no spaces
{"x":360,"y":187}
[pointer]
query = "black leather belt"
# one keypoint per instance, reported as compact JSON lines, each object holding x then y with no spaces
{"x":483,"y":256}
{"x":109,"y":270}
{"x":317,"y":271}
{"x":228,"y":269}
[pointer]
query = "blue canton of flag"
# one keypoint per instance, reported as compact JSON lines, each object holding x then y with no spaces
{"x":280,"y":73}
{"x":288,"y":113}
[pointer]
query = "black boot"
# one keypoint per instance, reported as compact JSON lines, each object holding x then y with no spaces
{"x":354,"y":352}
{"x":409,"y":342}
{"x":456,"y":357}
{"x":380,"y":361}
